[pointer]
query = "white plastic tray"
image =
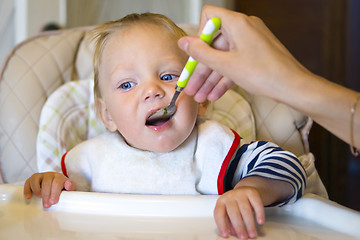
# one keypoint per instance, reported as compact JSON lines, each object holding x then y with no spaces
{"x":90,"y":216}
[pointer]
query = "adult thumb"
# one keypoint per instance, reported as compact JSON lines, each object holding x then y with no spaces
{"x":202,"y":52}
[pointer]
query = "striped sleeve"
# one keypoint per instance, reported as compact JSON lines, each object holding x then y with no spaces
{"x":264,"y":159}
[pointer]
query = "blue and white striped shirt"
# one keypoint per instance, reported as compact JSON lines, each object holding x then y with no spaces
{"x":265,"y":159}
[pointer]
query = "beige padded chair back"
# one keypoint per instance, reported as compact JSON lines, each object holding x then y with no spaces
{"x":38,"y":66}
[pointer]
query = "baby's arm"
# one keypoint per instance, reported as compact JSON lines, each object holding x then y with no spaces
{"x":261,"y":174}
{"x":234,"y":209}
{"x":48,"y":186}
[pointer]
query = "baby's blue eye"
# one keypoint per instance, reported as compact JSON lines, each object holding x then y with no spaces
{"x":167,"y":77}
{"x":127,"y":85}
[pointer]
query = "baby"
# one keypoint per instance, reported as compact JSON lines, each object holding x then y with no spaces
{"x":137,"y":63}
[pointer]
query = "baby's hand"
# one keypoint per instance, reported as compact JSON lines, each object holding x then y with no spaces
{"x":47,"y":186}
{"x":234,"y":212}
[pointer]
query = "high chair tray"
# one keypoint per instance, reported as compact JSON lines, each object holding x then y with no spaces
{"x":82,"y":215}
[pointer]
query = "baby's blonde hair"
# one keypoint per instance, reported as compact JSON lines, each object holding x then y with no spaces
{"x":101,"y":34}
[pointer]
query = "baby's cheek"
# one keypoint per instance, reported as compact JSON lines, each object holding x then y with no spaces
{"x":191,"y":106}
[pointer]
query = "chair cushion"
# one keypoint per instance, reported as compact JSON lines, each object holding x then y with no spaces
{"x":69,"y":117}
{"x":64,"y":122}
{"x":32,"y":71}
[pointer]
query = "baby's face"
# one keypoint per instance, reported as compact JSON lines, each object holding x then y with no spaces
{"x":138,"y":73}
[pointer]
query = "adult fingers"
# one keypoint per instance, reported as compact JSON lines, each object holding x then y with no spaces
{"x":201,"y":76}
{"x":213,"y":88}
{"x":198,"y":78}
{"x":207,"y":87}
{"x":215,"y":59}
{"x":209,"y":11}
{"x":220,"y":43}
{"x":221,"y":87}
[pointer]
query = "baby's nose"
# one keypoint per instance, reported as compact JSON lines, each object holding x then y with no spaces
{"x":154,"y":91}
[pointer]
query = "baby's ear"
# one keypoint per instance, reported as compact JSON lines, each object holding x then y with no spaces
{"x":104,"y":114}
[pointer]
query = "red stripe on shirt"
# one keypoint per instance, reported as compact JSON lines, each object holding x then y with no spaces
{"x":63,"y":167}
{"x":225,"y":164}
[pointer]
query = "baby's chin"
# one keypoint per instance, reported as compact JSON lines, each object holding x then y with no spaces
{"x":161,"y":148}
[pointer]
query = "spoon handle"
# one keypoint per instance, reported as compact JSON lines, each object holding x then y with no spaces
{"x":207,"y":35}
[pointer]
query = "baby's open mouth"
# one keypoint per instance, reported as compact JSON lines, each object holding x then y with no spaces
{"x":157,"y":121}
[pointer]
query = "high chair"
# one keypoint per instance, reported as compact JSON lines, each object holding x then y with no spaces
{"x":46,"y":107}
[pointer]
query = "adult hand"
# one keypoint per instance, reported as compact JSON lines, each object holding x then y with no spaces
{"x":206,"y":84}
{"x":245,"y":53}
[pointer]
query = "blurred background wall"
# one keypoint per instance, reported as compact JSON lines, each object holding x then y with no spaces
{"x":324,"y":35}
{"x":20,"y":19}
